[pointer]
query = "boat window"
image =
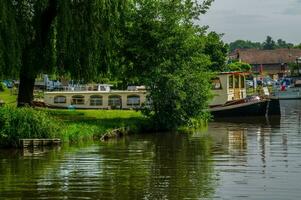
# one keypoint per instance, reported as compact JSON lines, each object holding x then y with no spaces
{"x":133,"y":100}
{"x":60,"y":99}
{"x":216,"y":84}
{"x":78,"y":100}
{"x":114,"y":100}
{"x":95,"y":100}
{"x":231,"y":81}
{"x":236,"y":80}
{"x":242,"y":81}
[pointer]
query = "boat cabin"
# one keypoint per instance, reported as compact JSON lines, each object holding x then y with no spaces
{"x":100,"y":97}
{"x":228,"y":86}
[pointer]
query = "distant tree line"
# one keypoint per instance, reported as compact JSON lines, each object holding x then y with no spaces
{"x":268,"y":44}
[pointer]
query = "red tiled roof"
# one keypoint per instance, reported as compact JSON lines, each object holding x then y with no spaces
{"x":256,"y":56}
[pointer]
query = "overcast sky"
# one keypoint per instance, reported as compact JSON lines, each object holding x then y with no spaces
{"x":255,"y":19}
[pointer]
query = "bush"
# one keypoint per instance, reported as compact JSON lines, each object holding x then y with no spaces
{"x":22,"y":123}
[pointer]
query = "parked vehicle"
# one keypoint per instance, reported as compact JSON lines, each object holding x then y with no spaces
{"x":287,"y":88}
{"x":8,"y":84}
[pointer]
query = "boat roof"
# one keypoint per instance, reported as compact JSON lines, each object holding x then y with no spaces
{"x":234,"y":73}
{"x":96,"y":92}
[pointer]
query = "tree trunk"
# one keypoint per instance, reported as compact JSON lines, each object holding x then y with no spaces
{"x":32,"y":55}
{"x":26,"y":86}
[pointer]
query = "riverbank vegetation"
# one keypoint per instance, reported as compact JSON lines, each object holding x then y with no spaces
{"x":71,"y":126}
{"x":141,"y":42}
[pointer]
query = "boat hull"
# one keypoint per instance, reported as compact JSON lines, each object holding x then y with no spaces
{"x":273,"y":107}
{"x":256,"y":108}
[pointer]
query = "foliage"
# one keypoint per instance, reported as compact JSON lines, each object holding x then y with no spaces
{"x":283,"y":44}
{"x":298,"y":46}
{"x":10,"y":55}
{"x":165,"y":50}
{"x":244,"y":44}
{"x":269,"y":43}
{"x":70,"y":126}
{"x":74,"y":37}
{"x":88,"y":125}
{"x":149,"y":42}
{"x":217,"y":50}
{"x":294,"y":68}
{"x":21,"y":123}
{"x":239,"y":66}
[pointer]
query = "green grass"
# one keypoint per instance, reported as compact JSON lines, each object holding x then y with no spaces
{"x":71,"y":126}
{"x":87,"y":125}
{"x":20,"y":123}
{"x":8,"y":97}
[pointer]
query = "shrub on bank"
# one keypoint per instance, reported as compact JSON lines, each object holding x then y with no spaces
{"x":18,"y":123}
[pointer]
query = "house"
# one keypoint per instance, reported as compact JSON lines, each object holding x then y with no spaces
{"x":271,"y":62}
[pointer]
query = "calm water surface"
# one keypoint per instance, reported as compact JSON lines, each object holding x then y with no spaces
{"x":250,"y":159}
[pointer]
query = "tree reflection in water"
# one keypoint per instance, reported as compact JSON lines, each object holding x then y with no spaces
{"x":165,"y":166}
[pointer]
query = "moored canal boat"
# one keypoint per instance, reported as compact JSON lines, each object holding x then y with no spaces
{"x":228,"y":88}
{"x":99,"y":96}
{"x":230,"y":98}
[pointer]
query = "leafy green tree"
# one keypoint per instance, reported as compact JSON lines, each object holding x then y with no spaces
{"x":282,"y":44}
{"x":217,"y":51}
{"x":165,"y":50}
{"x":39,"y":35}
{"x":269,"y":43}
{"x":244,"y":44}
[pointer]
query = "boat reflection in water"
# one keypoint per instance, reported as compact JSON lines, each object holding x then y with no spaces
{"x":237,"y":141}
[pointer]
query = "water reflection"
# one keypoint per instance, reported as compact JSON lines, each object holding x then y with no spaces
{"x":254,"y":158}
{"x":264,"y":163}
{"x":168,"y":166}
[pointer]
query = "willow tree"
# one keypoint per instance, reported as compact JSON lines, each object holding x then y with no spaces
{"x":70,"y":36}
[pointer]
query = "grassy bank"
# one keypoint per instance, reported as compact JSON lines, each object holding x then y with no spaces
{"x":73,"y":126}
{"x":87,"y":125}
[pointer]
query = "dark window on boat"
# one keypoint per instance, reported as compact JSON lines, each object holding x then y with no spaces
{"x":216,"y":84}
{"x":60,"y":99}
{"x":133,"y":100}
{"x":242,"y":81}
{"x":78,"y":100}
{"x":115,"y":100}
{"x":236,"y":80}
{"x":231,"y":81}
{"x":95,"y":100}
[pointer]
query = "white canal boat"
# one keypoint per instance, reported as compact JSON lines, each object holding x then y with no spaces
{"x":99,"y":96}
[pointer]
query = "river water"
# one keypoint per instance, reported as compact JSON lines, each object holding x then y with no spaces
{"x":248,"y":159}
